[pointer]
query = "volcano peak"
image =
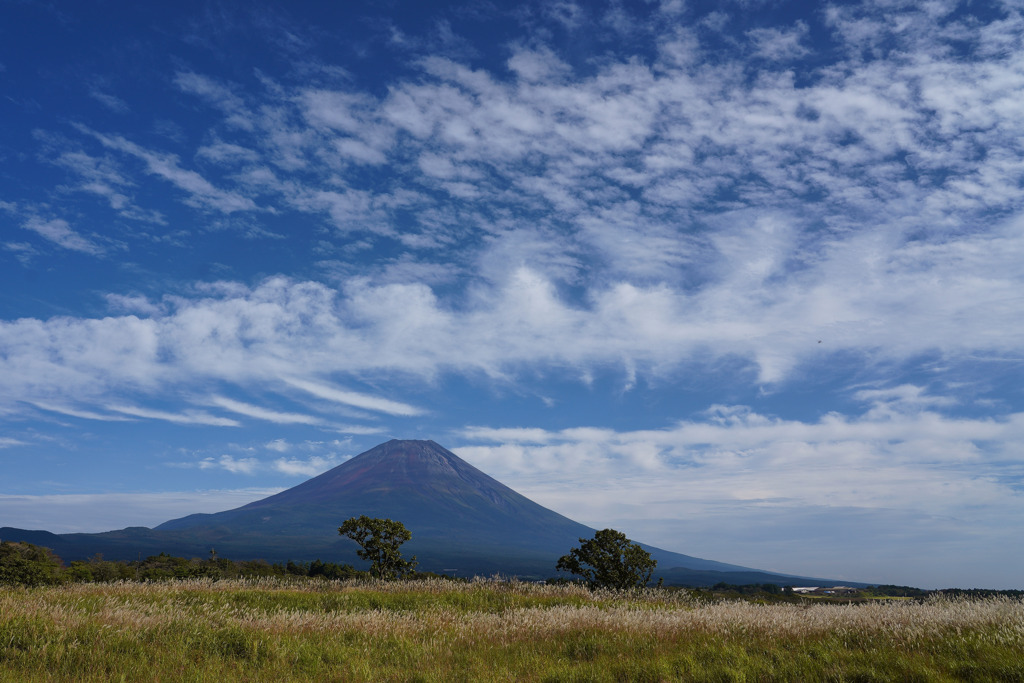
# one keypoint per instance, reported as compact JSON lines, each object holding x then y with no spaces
{"x":458,"y":516}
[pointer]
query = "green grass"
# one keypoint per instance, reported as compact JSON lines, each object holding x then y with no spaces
{"x":441,"y":631}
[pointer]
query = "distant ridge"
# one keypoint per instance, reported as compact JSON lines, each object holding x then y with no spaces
{"x":462,"y":521}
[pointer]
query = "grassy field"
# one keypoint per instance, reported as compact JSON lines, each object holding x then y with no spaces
{"x":269,"y":630}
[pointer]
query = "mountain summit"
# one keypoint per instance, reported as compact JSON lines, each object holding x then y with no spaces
{"x":459,"y":517}
{"x":431,"y":490}
{"x":462,"y":522}
{"x":420,"y":478}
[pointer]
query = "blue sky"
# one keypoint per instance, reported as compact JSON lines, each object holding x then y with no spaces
{"x":741,"y":279}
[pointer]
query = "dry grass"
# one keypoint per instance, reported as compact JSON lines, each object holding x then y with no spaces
{"x":488,"y":630}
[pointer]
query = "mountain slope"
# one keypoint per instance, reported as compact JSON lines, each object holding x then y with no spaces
{"x":458,"y":515}
{"x":462,"y":521}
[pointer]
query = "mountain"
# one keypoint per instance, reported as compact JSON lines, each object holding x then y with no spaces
{"x":462,"y":522}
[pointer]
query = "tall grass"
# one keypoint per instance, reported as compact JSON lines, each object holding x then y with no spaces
{"x":270,"y":630}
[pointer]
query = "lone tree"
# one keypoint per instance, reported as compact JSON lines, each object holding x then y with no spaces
{"x":379,"y":540}
{"x":609,"y":560}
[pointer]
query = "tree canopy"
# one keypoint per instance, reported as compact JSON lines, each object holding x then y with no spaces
{"x":379,"y":541}
{"x":28,"y":565}
{"x":609,"y":560}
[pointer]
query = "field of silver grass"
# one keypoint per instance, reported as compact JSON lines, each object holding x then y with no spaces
{"x":427,"y":630}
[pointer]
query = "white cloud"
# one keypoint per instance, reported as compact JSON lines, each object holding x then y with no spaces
{"x":866,"y":294}
{"x":913,"y":142}
{"x":354,"y":399}
{"x":75,"y":412}
{"x":217,"y":94}
{"x":111,"y":102}
{"x":58,"y":231}
{"x":134,"y":304}
{"x":192,"y":417}
{"x":231,"y":464}
{"x":259,"y":413}
{"x":358,"y":430}
{"x":103,"y":177}
{"x":905,"y":395}
{"x":306,"y":468}
{"x":570,"y":14}
{"x":779,"y":44}
{"x":291,"y":466}
{"x":227,"y":153}
{"x":279,"y":445}
{"x":23,"y":251}
{"x":538,"y":65}
{"x":201,"y":192}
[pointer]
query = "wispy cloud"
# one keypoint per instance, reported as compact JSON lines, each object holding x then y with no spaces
{"x":231,"y":464}
{"x":354,"y":399}
{"x":307,"y":468}
{"x":622,"y":166}
{"x":259,"y":413}
{"x":23,"y":251}
{"x":201,"y":192}
{"x":58,"y":231}
{"x":102,"y":177}
{"x":193,"y":417}
{"x":774,"y":320}
{"x":218,"y":95}
{"x":779,"y":43}
{"x":76,"y":412}
{"x":111,"y":102}
{"x":292,"y":467}
{"x":279,"y":445}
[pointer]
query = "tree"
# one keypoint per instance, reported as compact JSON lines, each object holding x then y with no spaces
{"x":25,"y":564}
{"x":379,"y":540}
{"x":609,"y":560}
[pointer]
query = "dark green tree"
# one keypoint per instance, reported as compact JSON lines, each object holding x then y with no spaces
{"x":379,"y":540}
{"x":609,"y":560}
{"x":24,"y":564}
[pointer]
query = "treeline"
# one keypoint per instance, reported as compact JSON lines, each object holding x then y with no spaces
{"x":757,"y":592}
{"x":25,"y":564}
{"x":976,"y":593}
{"x":890,"y":591}
{"x":751,"y":588}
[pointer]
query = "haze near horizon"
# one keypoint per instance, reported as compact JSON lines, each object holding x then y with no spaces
{"x":740,"y":279}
